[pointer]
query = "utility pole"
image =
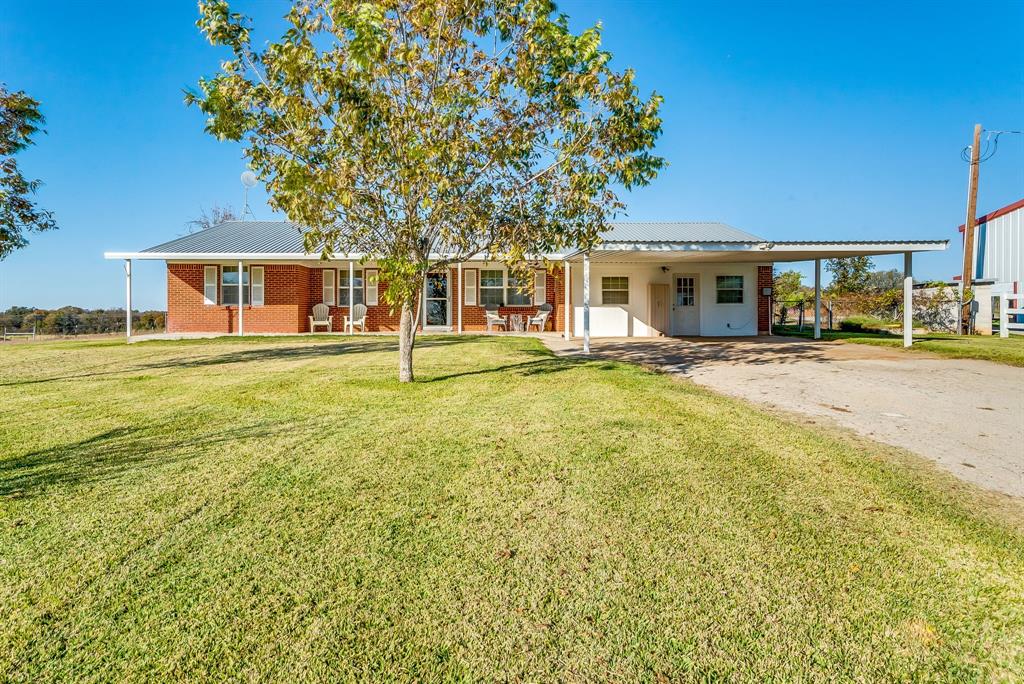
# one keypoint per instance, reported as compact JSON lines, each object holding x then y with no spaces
{"x":967,"y":277}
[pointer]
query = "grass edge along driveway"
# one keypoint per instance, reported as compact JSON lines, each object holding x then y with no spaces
{"x":282,"y":508}
{"x":1008,"y":351}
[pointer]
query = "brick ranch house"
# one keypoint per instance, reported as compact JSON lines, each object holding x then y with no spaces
{"x":644,"y":279}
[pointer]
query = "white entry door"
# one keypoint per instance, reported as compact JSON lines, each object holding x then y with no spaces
{"x":686,"y":304}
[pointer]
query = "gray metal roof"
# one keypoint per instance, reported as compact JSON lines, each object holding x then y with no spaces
{"x":284,"y":237}
{"x":249,"y":237}
{"x":678,"y":231}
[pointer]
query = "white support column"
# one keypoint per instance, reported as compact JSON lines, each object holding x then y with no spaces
{"x":128,"y":299}
{"x":568,"y":300}
{"x":241,"y":298}
{"x":817,"y":299}
{"x":586,"y":302}
{"x":459,"y":296}
{"x":351,"y":295}
{"x":1004,"y":317}
{"x":908,"y":299}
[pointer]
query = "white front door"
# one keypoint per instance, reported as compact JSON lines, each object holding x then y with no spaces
{"x":685,"y":304}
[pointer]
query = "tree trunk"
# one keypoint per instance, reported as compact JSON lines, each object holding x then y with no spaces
{"x":406,"y":340}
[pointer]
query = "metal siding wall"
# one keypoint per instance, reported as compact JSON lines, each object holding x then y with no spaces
{"x":1003,"y":243}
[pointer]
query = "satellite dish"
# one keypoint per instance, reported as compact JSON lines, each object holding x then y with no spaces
{"x":248,"y":179}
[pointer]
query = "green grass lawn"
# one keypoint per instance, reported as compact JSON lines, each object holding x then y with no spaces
{"x":1009,"y":351}
{"x":283,"y":509}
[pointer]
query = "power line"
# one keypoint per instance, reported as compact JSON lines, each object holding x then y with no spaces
{"x":990,"y":147}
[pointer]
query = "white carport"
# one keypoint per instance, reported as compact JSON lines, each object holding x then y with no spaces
{"x":669,"y":254}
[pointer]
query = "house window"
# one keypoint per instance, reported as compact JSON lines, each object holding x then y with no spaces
{"x":357,"y":287}
{"x":229,"y":285}
{"x":729,"y":289}
{"x":614,"y":290}
{"x":492,"y":287}
{"x":518,"y":291}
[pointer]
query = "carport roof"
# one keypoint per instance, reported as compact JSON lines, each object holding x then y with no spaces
{"x":625,"y":241}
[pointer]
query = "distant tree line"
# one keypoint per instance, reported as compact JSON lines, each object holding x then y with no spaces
{"x":72,"y":320}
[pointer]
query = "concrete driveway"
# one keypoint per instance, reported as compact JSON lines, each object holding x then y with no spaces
{"x":967,"y":416}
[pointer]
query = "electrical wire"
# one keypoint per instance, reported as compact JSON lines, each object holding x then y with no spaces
{"x":990,"y":147}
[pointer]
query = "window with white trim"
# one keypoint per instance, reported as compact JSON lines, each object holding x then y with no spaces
{"x":229,"y":285}
{"x":328,"y":290}
{"x":614,"y":290}
{"x":357,"y":286}
{"x":729,"y":289}
{"x":256,"y":285}
{"x":519,"y":293}
{"x":372,"y":291}
{"x":209,"y":285}
{"x":492,"y":286}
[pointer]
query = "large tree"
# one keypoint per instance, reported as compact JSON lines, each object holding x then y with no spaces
{"x":20,"y":120}
{"x":425,"y":132}
{"x":850,"y":275}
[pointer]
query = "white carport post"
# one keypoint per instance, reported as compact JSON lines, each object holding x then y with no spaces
{"x":241,"y":299}
{"x":128,"y":299}
{"x":817,"y":299}
{"x":459,"y":295}
{"x":568,"y":302}
{"x":908,"y":299}
{"x":586,"y":302}
{"x":351,"y":294}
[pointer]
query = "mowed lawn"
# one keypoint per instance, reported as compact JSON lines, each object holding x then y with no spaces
{"x":282,"y":509}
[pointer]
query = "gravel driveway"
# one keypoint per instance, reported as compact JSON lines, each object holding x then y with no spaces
{"x":967,"y":416}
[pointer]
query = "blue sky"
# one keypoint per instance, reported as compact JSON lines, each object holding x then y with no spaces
{"x":793,"y":121}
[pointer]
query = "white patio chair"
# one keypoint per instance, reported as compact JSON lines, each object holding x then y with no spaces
{"x":321,"y":318}
{"x":541,"y":319}
{"x":358,"y":318}
{"x":493,"y":319}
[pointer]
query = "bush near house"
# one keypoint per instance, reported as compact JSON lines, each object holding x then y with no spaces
{"x":283,"y":509}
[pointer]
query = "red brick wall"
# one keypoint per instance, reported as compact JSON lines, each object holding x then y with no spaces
{"x":291,"y":291}
{"x":764,"y":279}
{"x":286,"y":302}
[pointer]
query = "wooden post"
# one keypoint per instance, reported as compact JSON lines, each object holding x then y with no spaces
{"x":967,"y":276}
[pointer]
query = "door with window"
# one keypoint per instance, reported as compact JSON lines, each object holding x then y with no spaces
{"x":686,"y":304}
{"x":436,"y":305}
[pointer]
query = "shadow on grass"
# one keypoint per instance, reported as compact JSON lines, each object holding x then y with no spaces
{"x":547,"y":365}
{"x":263,"y":353}
{"x":115,"y":452}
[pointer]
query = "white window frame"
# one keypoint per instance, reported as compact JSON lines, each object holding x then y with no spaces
{"x":540,"y":287}
{"x":359,"y":275}
{"x":327,"y":291}
{"x":233,"y":288}
{"x":469,"y":298}
{"x":489,"y":288}
{"x":370,"y":282}
{"x":742,"y":289}
{"x":256,"y":286}
{"x":210,"y":295}
{"x":604,"y":290}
